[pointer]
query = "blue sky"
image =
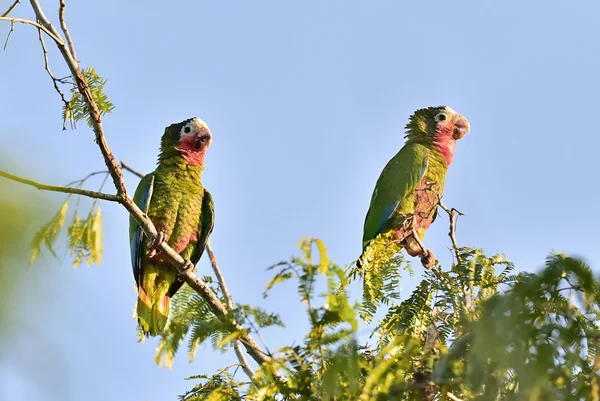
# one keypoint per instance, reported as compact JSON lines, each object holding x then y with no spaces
{"x":306,"y":101}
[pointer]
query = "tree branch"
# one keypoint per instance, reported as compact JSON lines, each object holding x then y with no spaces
{"x":54,"y":37}
{"x":131,"y":170}
{"x":117,"y":176}
{"x":452,"y":213}
{"x":54,"y":80}
{"x":84,"y":90}
{"x":12,"y":7}
{"x":237,"y":346}
{"x":63,"y":26}
{"x":12,"y":28}
{"x":66,"y":190}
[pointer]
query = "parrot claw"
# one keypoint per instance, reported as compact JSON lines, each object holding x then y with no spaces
{"x":188,"y":265}
{"x":161,"y":237}
{"x":428,"y":259}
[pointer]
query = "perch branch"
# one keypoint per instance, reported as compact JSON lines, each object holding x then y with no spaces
{"x":12,"y":7}
{"x":452,"y":213}
{"x":143,"y":221}
{"x":215,"y":266}
{"x":66,"y":190}
{"x":238,"y":345}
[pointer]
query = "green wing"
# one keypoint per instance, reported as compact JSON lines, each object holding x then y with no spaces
{"x":396,"y":183}
{"x":142,"y":198}
{"x":207,"y":223}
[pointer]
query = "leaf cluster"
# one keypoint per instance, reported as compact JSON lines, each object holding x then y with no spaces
{"x":76,"y":109}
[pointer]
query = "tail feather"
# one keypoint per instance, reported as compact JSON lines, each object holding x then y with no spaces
{"x":153,"y":305}
{"x":152,"y":317}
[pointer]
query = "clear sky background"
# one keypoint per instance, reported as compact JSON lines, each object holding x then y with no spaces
{"x":307,"y":101}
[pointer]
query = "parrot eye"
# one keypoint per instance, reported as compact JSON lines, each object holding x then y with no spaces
{"x":187,"y":130}
{"x":440,"y":117}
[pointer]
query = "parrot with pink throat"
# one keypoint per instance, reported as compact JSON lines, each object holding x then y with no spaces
{"x":406,"y":196}
{"x":182,"y":211}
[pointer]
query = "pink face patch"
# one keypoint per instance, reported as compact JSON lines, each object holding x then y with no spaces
{"x":188,"y":147}
{"x":444,"y":142}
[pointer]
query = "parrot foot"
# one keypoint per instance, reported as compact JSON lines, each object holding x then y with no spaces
{"x":428,"y":259}
{"x":188,"y":265}
{"x":161,"y":237}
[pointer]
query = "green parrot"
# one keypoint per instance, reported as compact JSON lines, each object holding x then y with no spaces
{"x":182,"y":211}
{"x":406,"y":196}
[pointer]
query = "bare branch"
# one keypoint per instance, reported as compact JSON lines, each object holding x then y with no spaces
{"x":66,"y":190}
{"x":55,"y":81}
{"x":84,"y":90}
{"x":63,"y":26}
{"x":131,"y":170}
{"x":452,"y":213}
{"x":54,"y":37}
{"x":12,"y":28}
{"x":12,"y":7}
{"x":237,"y":347}
{"x":81,"y":181}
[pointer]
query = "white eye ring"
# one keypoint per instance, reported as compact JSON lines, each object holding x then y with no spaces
{"x":440,"y":117}
{"x":186,"y":130}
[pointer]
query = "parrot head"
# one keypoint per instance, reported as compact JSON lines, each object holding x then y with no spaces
{"x":190,"y":138}
{"x":440,"y":126}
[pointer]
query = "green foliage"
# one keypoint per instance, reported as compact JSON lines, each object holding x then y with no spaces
{"x":190,"y":314}
{"x":219,"y":387}
{"x":76,"y":109}
{"x":85,"y":238}
{"x":49,"y":232}
{"x":538,"y":341}
{"x":475,"y":331}
{"x":380,"y":274}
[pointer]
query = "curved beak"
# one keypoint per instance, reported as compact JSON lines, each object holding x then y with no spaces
{"x":203,"y":138}
{"x":461,"y":127}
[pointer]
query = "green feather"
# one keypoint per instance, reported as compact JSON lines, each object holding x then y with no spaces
{"x":183,"y":211}
{"x":395,"y":195}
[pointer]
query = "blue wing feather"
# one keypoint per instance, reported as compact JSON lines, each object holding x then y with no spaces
{"x":142,"y":200}
{"x":388,"y":212}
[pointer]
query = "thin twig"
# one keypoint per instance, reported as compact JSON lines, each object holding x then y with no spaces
{"x":54,"y":37}
{"x":54,"y":80}
{"x":66,"y":190}
{"x":452,"y":213}
{"x":63,"y":26}
{"x":12,"y":28}
{"x":84,"y":179}
{"x":229,"y":302}
{"x":12,"y":7}
{"x":131,"y":170}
